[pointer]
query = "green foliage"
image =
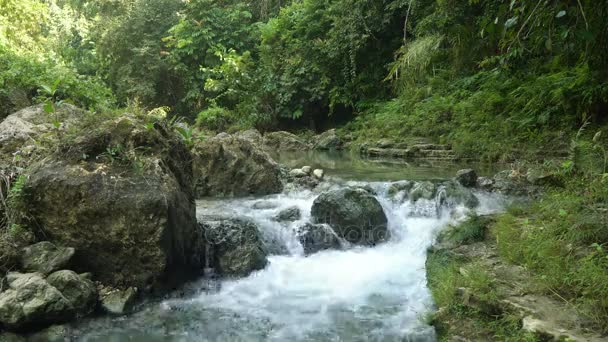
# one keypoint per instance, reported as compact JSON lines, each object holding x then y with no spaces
{"x":132,"y":55}
{"x":215,"y":119}
{"x":30,"y":75}
{"x":445,"y":274}
{"x":473,"y":229}
{"x":208,"y":49}
{"x":562,"y":239}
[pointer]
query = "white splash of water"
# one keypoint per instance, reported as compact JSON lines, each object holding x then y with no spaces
{"x":375,"y":293}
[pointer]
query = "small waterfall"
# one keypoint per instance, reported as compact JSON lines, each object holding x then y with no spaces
{"x":354,"y":294}
{"x":441,"y":199}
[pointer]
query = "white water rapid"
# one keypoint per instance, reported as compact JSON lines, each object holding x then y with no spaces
{"x":358,"y":294}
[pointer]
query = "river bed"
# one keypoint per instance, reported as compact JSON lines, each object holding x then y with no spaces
{"x":358,"y":294}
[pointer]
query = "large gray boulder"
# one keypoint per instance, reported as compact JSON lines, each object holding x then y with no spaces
{"x":78,"y":290}
{"x":30,"y":302}
{"x":467,"y":177}
{"x":425,"y":190}
{"x":119,"y":302}
{"x":354,"y":214}
{"x":44,"y":257}
{"x":26,"y":125}
{"x":235,"y":247}
{"x":317,"y":237}
{"x":458,"y":194}
{"x":328,"y":140}
{"x":129,"y":213}
{"x":226,"y":165}
{"x":285,"y":141}
{"x":288,"y":215}
{"x":251,"y":135}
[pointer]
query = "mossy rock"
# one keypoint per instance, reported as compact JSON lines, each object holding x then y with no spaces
{"x":131,"y":217}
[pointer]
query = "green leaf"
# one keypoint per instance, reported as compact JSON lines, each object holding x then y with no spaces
{"x":47,"y":90}
{"x":597,"y":136}
{"x":560,"y":14}
{"x":563,"y":213}
{"x":49,"y":107}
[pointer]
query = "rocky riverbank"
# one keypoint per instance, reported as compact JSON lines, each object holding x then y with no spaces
{"x":483,"y":297}
{"x":99,"y":212}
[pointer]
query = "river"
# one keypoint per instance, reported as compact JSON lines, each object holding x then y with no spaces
{"x":358,"y":294}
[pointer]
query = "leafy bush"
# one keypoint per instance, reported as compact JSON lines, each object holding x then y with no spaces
{"x":215,"y":119}
{"x":30,"y":74}
{"x":470,"y":231}
{"x":563,"y":239}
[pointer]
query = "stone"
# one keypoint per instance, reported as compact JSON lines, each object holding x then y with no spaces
{"x":425,"y":190}
{"x":385,"y":143}
{"x":456,"y":194}
{"x":467,"y":177}
{"x":129,"y":226}
{"x":230,"y":166}
{"x":288,"y":215}
{"x":264,"y":205}
{"x":354,"y":214}
{"x":485,"y":183}
{"x":401,"y":186}
{"x":55,"y":333}
{"x":318,"y":174}
{"x":298,"y":173}
{"x":251,"y":135}
{"x":29,"y":123}
{"x":11,"y":337}
{"x":317,"y":237}
{"x":285,"y":141}
{"x":328,"y":140}
{"x":307,"y":169}
{"x":119,"y":302}
{"x":44,"y":257}
{"x":235,"y":247}
{"x":30,"y":302}
{"x":80,"y":291}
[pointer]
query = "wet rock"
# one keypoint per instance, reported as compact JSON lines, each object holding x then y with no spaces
{"x":285,"y":141}
{"x":80,"y":291}
{"x":55,"y":333}
{"x":317,"y":237}
{"x":540,"y":178}
{"x":298,"y":173}
{"x":288,"y":215}
{"x":129,"y":226}
{"x":307,"y":169}
{"x":306,"y":182}
{"x":401,"y":186}
{"x":467,"y":177}
{"x":318,"y":174}
{"x":264,"y":205}
{"x":456,"y":194}
{"x":44,"y":257}
{"x":354,"y":214}
{"x":507,"y":183}
{"x":119,"y":302}
{"x":30,"y":302}
{"x":425,"y":190}
{"x":11,"y":337}
{"x":328,"y":140}
{"x":485,"y":183}
{"x":230,"y":166}
{"x":385,"y":143}
{"x":235,"y":247}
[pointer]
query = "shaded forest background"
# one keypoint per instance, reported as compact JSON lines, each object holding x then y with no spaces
{"x":489,"y":77}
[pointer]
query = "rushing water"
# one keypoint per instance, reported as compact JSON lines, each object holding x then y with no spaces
{"x":360,"y":294}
